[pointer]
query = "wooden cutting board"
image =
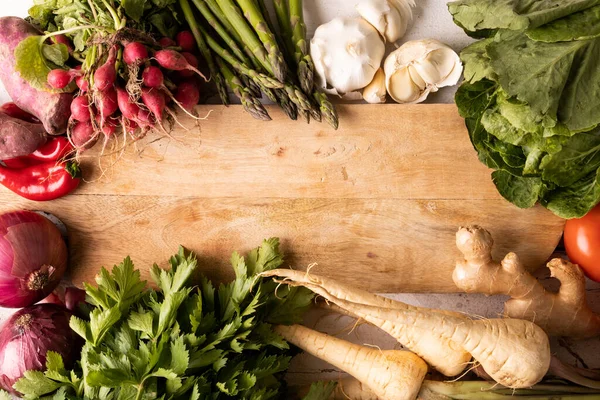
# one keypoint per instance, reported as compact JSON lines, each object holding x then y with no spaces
{"x":376,"y":203}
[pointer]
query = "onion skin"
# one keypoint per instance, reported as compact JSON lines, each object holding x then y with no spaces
{"x":28,"y":335}
{"x":33,"y":258}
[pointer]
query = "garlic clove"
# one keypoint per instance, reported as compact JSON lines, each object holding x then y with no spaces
{"x":402,"y":88}
{"x":390,"y":17}
{"x":428,"y":63}
{"x":416,"y":77}
{"x":405,"y":12}
{"x":347,"y":53}
{"x":375,"y":12}
{"x":376,"y":92}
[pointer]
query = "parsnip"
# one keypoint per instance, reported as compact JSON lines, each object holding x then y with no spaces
{"x":390,"y":374}
{"x":565,"y":313}
{"x":515,"y":353}
{"x":443,"y":355}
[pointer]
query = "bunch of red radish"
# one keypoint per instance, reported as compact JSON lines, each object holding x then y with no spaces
{"x":133,"y":88}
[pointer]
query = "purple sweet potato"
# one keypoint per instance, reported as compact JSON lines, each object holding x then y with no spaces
{"x":19,"y":138}
{"x":52,"y":109}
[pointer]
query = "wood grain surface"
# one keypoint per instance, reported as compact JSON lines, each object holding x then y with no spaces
{"x":376,"y":203}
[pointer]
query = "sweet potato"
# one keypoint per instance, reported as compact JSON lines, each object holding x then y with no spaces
{"x":18,"y":137}
{"x":52,"y":109}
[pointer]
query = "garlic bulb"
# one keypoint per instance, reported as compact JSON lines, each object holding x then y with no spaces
{"x":375,"y":92}
{"x":390,"y":17}
{"x":347,"y":53}
{"x":420,"y":67}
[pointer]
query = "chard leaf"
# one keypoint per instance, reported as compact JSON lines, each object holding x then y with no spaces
{"x":579,"y":157}
{"x":476,"y":62}
{"x":576,"y":200}
{"x":522,"y":192}
{"x":579,"y":26}
{"x":559,"y":81}
{"x":475,"y":15}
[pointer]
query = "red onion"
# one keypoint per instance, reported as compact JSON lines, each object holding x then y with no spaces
{"x":33,"y":258}
{"x":28,"y":335}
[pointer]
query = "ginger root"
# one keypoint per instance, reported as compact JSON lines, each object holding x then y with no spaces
{"x":564,"y":313}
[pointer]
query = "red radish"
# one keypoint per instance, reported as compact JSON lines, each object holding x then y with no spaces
{"x":128,"y":109}
{"x":167,"y":42}
{"x":107,"y":102}
{"x":130,"y":126}
{"x":80,"y":109}
{"x":82,"y":83}
{"x":83,"y":135}
{"x":59,"y":78}
{"x":144,"y":118}
{"x":175,"y":61}
{"x":135,"y":52}
{"x":106,"y":75}
{"x":154,"y":99}
{"x":62,"y":39}
{"x":186,"y":41}
{"x":188,"y":94}
{"x":193,"y":61}
{"x":152,"y":77}
{"x":109,"y":127}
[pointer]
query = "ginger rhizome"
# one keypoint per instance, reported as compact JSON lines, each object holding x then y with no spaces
{"x":564,"y":313}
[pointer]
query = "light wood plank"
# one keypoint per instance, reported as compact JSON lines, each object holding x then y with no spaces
{"x":375,"y":204}
{"x":381,"y":245}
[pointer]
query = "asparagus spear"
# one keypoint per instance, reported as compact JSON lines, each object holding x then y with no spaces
{"x":304,"y":61}
{"x":205,"y":51}
{"x":260,"y":78}
{"x":283,"y":19}
{"x":252,"y":86}
{"x":299,"y":98}
{"x":251,"y":104}
{"x":218,"y":13}
{"x":235,"y":17}
{"x":284,"y":102}
{"x":327,"y":109}
{"x":221,"y":31}
{"x":256,"y":19}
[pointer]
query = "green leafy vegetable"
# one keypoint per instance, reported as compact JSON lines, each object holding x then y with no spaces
{"x":182,"y":341}
{"x":31,"y":63}
{"x":530,"y":98}
{"x":320,"y":390}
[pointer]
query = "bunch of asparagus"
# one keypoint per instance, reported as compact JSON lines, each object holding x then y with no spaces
{"x":243,"y":51}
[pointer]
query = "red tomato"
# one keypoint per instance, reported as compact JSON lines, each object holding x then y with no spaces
{"x":582,"y":241}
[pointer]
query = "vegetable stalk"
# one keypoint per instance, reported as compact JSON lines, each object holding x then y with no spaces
{"x":260,"y":78}
{"x":236,"y":18}
{"x":251,"y":104}
{"x":303,"y":59}
{"x":254,"y":16}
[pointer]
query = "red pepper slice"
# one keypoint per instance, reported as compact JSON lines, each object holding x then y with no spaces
{"x":54,"y":150}
{"x":13,"y":110}
{"x":42,"y":182}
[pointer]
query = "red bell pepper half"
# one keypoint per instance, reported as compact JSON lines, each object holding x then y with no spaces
{"x":42,"y":182}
